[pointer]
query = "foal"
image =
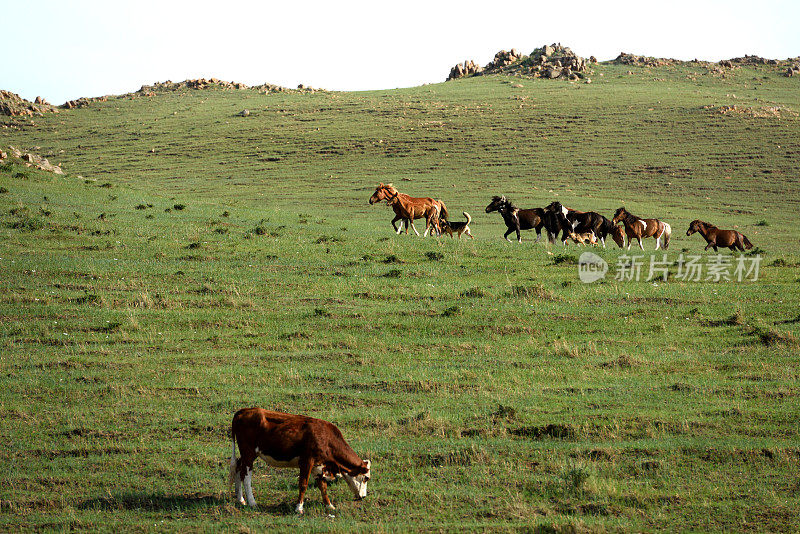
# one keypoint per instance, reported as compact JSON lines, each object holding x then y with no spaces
{"x":719,"y":238}
{"x":639,"y":228}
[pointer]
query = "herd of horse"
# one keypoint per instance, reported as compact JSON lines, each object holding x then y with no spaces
{"x":583,"y":227}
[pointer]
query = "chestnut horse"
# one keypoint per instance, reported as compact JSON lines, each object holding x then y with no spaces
{"x":719,"y":238}
{"x":639,"y":228}
{"x":407,"y":208}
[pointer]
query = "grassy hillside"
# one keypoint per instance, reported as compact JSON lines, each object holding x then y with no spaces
{"x":193,"y":262}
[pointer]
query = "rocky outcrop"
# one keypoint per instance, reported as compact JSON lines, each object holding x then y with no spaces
{"x":83,"y":102}
{"x":468,"y":68}
{"x":13,"y":105}
{"x":30,"y":160}
{"x":205,"y":83}
{"x":549,"y":61}
{"x":643,"y":61}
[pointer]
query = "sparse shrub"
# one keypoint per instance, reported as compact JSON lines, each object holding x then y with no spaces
{"x":141,"y":207}
{"x":226,"y":213}
{"x":192,"y":246}
{"x":474,"y":292}
{"x":321,"y":312}
{"x":756,"y":251}
{"x":221,"y":231}
{"x":537,"y":291}
{"x":328,"y":239}
{"x":574,"y":477}
{"x":391,"y":258}
{"x":779,"y":262}
{"x":762,"y":222}
{"x":179,"y":207}
{"x":27,"y":223}
{"x":434,"y":256}
{"x":106,"y":185}
{"x":568,"y":259}
{"x":451,"y":311}
{"x":393,"y":273}
{"x":3,"y":190}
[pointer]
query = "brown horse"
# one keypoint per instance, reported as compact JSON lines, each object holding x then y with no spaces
{"x":407,"y":208}
{"x":719,"y":238}
{"x":639,"y":228}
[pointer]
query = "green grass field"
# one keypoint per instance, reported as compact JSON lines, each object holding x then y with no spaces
{"x":193,"y":262}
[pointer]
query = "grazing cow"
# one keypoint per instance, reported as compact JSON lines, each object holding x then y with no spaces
{"x":716,"y":237}
{"x":284,"y":440}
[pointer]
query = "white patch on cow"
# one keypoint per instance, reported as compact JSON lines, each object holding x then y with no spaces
{"x":239,"y":496}
{"x":248,"y":487}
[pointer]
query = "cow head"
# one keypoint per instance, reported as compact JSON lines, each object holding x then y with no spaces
{"x":358,"y":483}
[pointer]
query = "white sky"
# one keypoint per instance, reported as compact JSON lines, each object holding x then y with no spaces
{"x":63,"y":49}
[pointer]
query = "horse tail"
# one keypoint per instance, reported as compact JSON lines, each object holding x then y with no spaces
{"x":443,"y":210}
{"x":667,"y":234}
{"x":747,"y":244}
{"x":232,"y":470}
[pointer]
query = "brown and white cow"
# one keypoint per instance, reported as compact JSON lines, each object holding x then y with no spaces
{"x":285,"y":440}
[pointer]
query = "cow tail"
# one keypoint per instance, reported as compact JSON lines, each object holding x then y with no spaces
{"x":667,"y":234}
{"x":232,"y":470}
{"x":747,"y":244}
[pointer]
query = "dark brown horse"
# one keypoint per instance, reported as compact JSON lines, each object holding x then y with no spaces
{"x":407,"y":208}
{"x":517,"y":219}
{"x":719,"y":238}
{"x":636,"y":227}
{"x":589,"y":221}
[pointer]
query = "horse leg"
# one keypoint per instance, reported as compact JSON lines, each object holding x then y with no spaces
{"x":411,"y":221}
{"x":639,"y":239}
{"x":508,"y":232}
{"x":519,"y":236}
{"x":397,"y":218}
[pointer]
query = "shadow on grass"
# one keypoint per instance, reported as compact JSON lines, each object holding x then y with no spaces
{"x":161,"y":502}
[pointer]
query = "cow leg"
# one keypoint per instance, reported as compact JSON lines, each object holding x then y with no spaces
{"x":302,"y":482}
{"x":323,"y":489}
{"x":248,"y":487}
{"x":238,"y":482}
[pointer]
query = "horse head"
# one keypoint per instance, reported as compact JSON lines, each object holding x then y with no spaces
{"x":556,"y":207}
{"x":618,"y":236}
{"x":497,"y":204}
{"x":382,"y":192}
{"x":695,"y":226}
{"x":620,"y":215}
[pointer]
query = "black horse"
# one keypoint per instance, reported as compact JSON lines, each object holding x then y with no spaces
{"x":528,"y":219}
